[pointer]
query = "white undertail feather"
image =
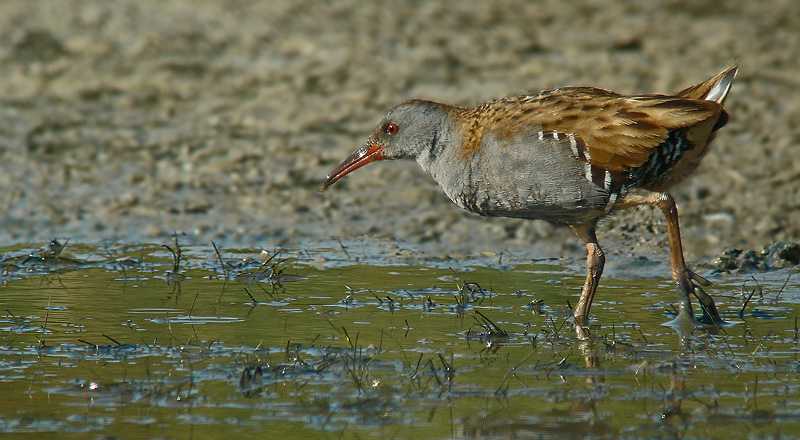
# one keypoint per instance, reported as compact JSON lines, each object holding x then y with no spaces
{"x":719,"y":92}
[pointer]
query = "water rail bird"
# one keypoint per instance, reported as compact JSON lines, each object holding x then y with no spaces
{"x":569,"y":156}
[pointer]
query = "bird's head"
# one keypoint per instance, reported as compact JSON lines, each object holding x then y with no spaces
{"x":405,"y":132}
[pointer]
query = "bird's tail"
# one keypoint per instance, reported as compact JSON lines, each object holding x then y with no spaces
{"x":715,"y":89}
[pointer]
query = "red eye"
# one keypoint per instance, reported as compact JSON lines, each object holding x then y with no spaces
{"x":390,"y":129}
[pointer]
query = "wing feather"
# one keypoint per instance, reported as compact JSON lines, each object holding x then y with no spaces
{"x":617,"y":132}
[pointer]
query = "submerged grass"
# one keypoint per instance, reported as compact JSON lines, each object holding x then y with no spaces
{"x":183,"y":340}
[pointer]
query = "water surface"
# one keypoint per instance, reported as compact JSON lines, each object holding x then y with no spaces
{"x":325,"y":343}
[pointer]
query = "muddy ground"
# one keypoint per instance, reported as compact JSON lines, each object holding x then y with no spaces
{"x":128,"y":120}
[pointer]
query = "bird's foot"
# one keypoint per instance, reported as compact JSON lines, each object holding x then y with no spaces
{"x":710,"y":314}
{"x":691,"y":283}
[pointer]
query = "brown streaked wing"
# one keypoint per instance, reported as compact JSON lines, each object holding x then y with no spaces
{"x":618,"y":132}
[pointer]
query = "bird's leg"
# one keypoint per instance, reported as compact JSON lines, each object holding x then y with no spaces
{"x":687,"y":281}
{"x":595,"y":260}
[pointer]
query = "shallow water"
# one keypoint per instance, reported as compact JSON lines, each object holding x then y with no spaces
{"x":324,"y":342}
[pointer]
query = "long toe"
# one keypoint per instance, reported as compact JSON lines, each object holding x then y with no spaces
{"x":710,"y":314}
{"x":701,"y":280}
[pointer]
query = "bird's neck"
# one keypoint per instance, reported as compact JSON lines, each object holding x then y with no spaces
{"x":443,"y":158}
{"x":440,"y":146}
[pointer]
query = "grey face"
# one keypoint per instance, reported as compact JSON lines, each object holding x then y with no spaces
{"x":406,"y":131}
